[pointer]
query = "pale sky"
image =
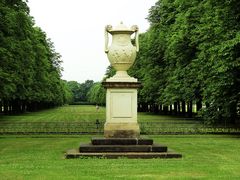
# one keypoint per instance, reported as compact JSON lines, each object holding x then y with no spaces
{"x":76,"y":27}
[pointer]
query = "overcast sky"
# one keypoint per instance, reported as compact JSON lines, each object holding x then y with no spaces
{"x":76,"y":27}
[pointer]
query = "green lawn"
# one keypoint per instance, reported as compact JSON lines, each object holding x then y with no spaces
{"x":68,"y":119}
{"x":65,"y":113}
{"x":42,"y":157}
{"x":78,"y":113}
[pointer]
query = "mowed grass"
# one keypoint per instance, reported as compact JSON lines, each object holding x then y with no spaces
{"x":42,"y":157}
{"x":66,"y":119}
{"x":64,"y":113}
{"x":77,"y":113}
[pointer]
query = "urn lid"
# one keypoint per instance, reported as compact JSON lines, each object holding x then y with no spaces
{"x":121,"y":28}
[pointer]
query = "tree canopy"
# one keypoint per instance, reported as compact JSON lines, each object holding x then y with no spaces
{"x":30,"y":68}
{"x":191,"y":54}
{"x":80,"y":90}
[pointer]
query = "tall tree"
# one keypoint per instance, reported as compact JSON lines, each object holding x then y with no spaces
{"x":190,"y":54}
{"x":30,"y":68}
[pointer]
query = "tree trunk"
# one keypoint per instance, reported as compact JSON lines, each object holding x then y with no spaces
{"x":156,"y":108}
{"x":160,"y":108}
{"x":144,"y":107}
{"x":170,"y":110}
{"x":199,"y":105}
{"x":175,"y":108}
{"x":183,"y":107}
{"x":165,"y":109}
{"x":1,"y":107}
{"x":138,"y":107}
{"x":23,"y":107}
{"x":190,"y":109}
{"x":178,"y":108}
{"x":16,"y":106}
{"x":6,"y":107}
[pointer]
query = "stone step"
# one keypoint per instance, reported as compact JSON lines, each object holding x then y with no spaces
{"x":122,"y":148}
{"x":145,"y":155}
{"x":121,"y":141}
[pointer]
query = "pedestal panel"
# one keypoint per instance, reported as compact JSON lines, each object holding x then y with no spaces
{"x":121,"y":110}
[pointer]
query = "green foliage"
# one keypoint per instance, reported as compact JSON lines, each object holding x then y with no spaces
{"x":30,"y":68}
{"x":97,"y":94}
{"x":110,"y":72}
{"x":74,"y":87}
{"x":38,"y":157}
{"x":80,"y":91}
{"x":191,"y":54}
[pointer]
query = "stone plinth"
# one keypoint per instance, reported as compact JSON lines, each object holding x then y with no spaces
{"x":121,"y":130}
{"x":121,"y":110}
{"x":122,"y":147}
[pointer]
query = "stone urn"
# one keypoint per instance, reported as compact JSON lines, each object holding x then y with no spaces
{"x":121,"y":53}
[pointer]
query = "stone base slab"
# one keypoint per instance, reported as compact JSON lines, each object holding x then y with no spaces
{"x":74,"y":153}
{"x":122,"y":147}
{"x":121,"y":130}
{"x":121,"y":141}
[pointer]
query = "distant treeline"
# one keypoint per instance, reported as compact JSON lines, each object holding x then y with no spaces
{"x":89,"y":92}
{"x":30,"y":67}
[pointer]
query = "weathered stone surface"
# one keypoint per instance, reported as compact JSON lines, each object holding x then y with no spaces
{"x":145,"y":141}
{"x":121,"y":141}
{"x":114,"y":141}
{"x":121,"y":130}
{"x":122,"y":147}
{"x":74,"y":153}
{"x":114,"y":148}
{"x":121,"y":133}
{"x":120,"y":85}
{"x":122,"y":52}
{"x":159,"y":148}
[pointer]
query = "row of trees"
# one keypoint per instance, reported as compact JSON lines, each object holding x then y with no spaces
{"x":80,"y":91}
{"x":89,"y":92}
{"x":191,"y":54}
{"x":30,"y":68}
{"x":97,"y":94}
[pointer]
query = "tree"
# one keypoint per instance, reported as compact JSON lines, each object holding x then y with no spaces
{"x":190,"y":54}
{"x":30,"y":68}
{"x":84,"y":89}
{"x":80,"y":90}
{"x":97,"y":94}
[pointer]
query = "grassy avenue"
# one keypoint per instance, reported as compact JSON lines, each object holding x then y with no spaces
{"x":42,"y":156}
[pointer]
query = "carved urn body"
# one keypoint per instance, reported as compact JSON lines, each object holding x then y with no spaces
{"x":122,"y":52}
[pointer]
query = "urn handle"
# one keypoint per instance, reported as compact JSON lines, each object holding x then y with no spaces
{"x":135,"y":28}
{"x":107,"y":29}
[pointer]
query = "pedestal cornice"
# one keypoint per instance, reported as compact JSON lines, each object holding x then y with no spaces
{"x":123,"y":85}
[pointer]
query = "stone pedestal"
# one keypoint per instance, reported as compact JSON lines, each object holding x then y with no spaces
{"x":121,"y":110}
{"x":122,"y":147}
{"x":121,"y":130}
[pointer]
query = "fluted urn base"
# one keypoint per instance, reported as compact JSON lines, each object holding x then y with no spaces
{"x":121,"y":76}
